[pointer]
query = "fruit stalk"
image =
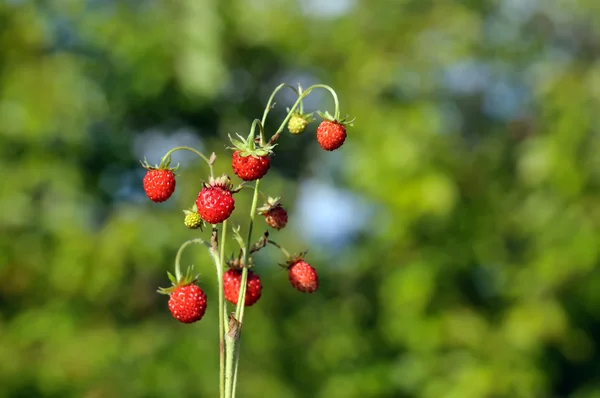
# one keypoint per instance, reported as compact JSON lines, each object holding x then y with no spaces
{"x":277,"y":245}
{"x":269,"y":106}
{"x":231,"y":337}
{"x":208,"y":161}
{"x":180,"y":251}
{"x":239,"y":311}
{"x":301,"y":96}
{"x":336,"y":114}
{"x":222,"y":311}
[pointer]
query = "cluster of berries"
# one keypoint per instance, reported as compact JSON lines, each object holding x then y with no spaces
{"x":215,"y":203}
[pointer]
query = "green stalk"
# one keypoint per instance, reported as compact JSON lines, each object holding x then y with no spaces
{"x":239,"y":311}
{"x":232,"y":337}
{"x":269,"y":106}
{"x":187,"y":148}
{"x":222,"y":310}
{"x":333,"y":94}
{"x":180,"y":252}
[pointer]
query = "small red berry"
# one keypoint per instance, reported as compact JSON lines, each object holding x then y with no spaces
{"x":250,"y":168}
{"x":276,"y":218}
{"x":187,"y":303}
{"x":303,"y":277}
{"x":331,"y":135}
{"x":275,"y":215}
{"x":215,"y":202}
{"x":232,"y":280}
{"x":159,"y":184}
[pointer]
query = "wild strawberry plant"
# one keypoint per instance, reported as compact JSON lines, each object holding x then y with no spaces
{"x":238,"y":282}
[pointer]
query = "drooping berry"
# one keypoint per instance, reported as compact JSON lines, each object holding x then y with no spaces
{"x":159,"y":185}
{"x":187,"y":303}
{"x":215,"y":201}
{"x":303,"y":276}
{"x":275,"y":215}
{"x":232,"y":280}
{"x":298,"y":122}
{"x":331,"y":135}
{"x":159,"y":181}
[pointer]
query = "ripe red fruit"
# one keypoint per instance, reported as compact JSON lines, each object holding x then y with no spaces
{"x":250,"y":168}
{"x":215,"y":202}
{"x":303,"y":276}
{"x":331,"y":135}
{"x":159,"y":184}
{"x":187,"y":303}
{"x":232,"y":280}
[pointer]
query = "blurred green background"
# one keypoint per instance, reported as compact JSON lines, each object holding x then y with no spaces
{"x":456,"y":232}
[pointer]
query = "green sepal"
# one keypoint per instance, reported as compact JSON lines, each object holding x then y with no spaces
{"x":248,"y":147}
{"x":185,"y":280}
{"x":345,"y":121}
{"x":223,"y":181}
{"x":172,"y":278}
{"x":164,"y":165}
{"x":270,"y":204}
{"x":294,"y":258}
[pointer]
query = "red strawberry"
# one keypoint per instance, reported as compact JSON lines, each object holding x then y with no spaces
{"x":187,"y":303}
{"x":232,"y":280}
{"x":215,"y":202}
{"x":159,"y":182}
{"x":331,"y":135}
{"x":275,"y":215}
{"x":250,"y":161}
{"x":250,"y":168}
{"x":303,"y":276}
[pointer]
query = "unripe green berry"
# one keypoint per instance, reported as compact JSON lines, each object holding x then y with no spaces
{"x":192,"y":220}
{"x":297,"y":124}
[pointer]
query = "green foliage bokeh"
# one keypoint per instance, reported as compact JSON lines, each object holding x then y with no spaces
{"x":475,"y":149}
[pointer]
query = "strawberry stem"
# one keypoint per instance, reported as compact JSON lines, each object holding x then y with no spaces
{"x":255,"y":123}
{"x":222,"y":311}
{"x":262,"y":195}
{"x":336,"y":115}
{"x":233,"y":343}
{"x":285,"y":252}
{"x":208,"y":161}
{"x":239,"y":311}
{"x":178,"y":275}
{"x":301,"y":107}
{"x":270,"y":104}
{"x":232,"y":337}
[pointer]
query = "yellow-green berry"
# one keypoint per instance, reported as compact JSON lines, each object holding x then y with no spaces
{"x":192,"y":220}
{"x":297,"y":124}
